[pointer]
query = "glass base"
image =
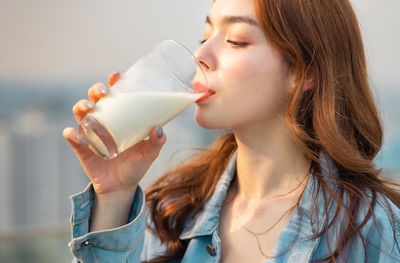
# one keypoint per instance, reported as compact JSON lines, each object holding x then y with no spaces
{"x":100,"y":140}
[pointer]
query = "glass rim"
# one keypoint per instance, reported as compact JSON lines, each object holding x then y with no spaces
{"x":195,"y":60}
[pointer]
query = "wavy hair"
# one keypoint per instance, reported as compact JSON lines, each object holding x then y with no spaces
{"x":335,"y":114}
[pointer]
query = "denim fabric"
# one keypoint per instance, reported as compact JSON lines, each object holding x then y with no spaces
{"x":122,"y":244}
{"x":132,"y":243}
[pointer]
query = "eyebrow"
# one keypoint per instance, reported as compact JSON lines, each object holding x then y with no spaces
{"x":235,"y":20}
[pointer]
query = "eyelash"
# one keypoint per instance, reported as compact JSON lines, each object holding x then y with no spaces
{"x":237,"y":44}
{"x":233,"y":43}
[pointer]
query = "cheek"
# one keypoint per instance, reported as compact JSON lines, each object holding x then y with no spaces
{"x":256,"y":86}
{"x":250,"y":77}
{"x":251,"y":89}
{"x":255,"y":66}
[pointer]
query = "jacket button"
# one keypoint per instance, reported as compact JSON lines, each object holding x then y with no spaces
{"x":211,"y":250}
{"x":85,"y":244}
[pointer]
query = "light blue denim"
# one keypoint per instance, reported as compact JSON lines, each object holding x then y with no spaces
{"x":133,"y":243}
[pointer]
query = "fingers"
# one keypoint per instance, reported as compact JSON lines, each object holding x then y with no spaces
{"x":79,"y":144}
{"x":112,"y":78}
{"x":81,"y":108}
{"x":73,"y":137}
{"x":97,"y":91}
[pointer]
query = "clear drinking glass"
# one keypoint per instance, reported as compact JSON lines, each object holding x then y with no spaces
{"x":152,"y":91}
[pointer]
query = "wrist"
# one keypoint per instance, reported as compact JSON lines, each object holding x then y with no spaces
{"x":116,"y":196}
{"x":111,"y":210}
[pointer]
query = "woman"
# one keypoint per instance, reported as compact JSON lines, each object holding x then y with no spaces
{"x":294,"y":181}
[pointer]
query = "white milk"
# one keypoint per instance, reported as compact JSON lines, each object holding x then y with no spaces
{"x":129,"y":116}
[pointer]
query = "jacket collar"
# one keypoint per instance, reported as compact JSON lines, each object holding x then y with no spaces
{"x":297,"y":234}
{"x":207,"y":220}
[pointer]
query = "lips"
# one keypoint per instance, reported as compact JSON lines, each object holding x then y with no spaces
{"x":200,"y":88}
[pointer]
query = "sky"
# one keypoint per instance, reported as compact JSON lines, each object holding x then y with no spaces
{"x":54,"y":40}
{"x":75,"y":39}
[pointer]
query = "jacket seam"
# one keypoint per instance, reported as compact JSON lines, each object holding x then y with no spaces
{"x":80,"y":221}
{"x":136,"y":244}
{"x":316,"y":242}
{"x":394,"y":221}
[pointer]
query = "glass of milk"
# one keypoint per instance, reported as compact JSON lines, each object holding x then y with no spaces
{"x":152,"y":91}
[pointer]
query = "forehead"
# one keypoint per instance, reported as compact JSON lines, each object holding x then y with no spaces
{"x":222,"y":8}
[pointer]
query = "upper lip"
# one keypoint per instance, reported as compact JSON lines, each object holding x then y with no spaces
{"x":200,"y":87}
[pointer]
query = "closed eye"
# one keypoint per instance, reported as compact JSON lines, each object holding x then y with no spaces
{"x":233,"y":43}
{"x":236,"y":43}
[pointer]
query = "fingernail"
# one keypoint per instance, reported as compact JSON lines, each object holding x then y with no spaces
{"x":89,"y":104}
{"x":82,"y":139}
{"x":104,"y":89}
{"x":159,"y":130}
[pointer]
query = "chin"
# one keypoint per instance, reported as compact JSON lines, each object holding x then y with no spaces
{"x":205,"y":124}
{"x":208,"y":123}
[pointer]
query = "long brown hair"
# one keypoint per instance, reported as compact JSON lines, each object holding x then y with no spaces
{"x":336,"y":114}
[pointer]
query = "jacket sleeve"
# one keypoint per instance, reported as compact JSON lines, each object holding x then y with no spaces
{"x":122,"y":244}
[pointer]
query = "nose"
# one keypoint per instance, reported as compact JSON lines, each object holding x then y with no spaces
{"x":205,"y":57}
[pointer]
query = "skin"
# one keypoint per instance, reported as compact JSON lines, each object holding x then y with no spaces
{"x":251,"y":83}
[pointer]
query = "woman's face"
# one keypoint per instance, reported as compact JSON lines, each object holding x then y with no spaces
{"x":247,"y":73}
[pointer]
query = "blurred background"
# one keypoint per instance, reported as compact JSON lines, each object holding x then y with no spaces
{"x":52,"y":51}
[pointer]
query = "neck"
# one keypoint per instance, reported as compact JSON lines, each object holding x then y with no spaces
{"x":269,"y":162}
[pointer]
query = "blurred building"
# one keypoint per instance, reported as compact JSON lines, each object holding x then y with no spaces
{"x":38,"y":172}
{"x":5,"y":181}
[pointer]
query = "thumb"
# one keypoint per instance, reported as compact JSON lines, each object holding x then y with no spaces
{"x":157,"y":137}
{"x":153,"y":145}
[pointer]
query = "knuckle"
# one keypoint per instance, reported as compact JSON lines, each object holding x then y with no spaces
{"x":98,"y":85}
{"x":83,"y":101}
{"x":94,"y":87}
{"x":78,"y":106}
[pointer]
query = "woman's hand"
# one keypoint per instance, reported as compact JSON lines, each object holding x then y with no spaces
{"x":121,"y":174}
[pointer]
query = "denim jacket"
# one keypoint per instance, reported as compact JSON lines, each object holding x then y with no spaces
{"x":133,"y":243}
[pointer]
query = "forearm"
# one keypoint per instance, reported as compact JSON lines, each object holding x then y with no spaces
{"x":111,"y":210}
{"x":111,"y":244}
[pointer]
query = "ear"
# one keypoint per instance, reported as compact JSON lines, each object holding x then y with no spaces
{"x":308,"y":84}
{"x":309,"y":81}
